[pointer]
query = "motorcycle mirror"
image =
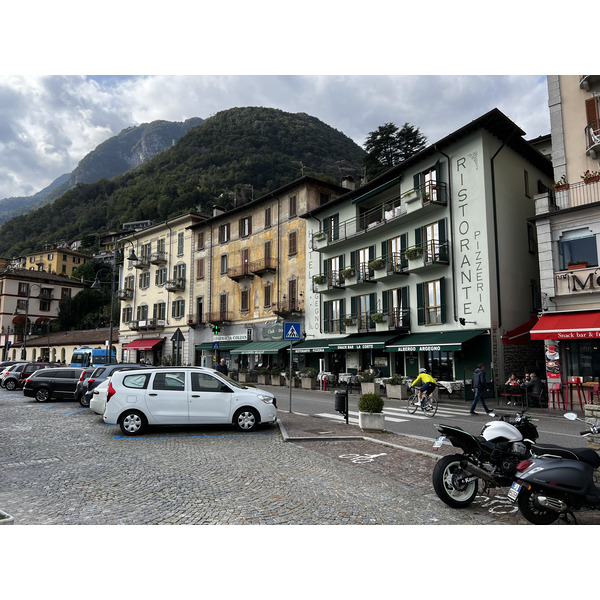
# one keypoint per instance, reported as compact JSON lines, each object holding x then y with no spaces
{"x":571,"y":416}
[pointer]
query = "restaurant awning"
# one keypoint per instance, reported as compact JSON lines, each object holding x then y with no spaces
{"x":520,"y":335}
{"x":261,"y":347}
{"x":444,"y":340}
{"x":568,"y":326}
{"x":362,"y":342}
{"x":226,"y":346}
{"x":142,"y":344}
{"x":313,"y":346}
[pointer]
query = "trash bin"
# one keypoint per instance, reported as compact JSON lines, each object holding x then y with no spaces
{"x":341,"y":398}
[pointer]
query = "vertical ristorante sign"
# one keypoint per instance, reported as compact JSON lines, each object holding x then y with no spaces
{"x":472,"y":288}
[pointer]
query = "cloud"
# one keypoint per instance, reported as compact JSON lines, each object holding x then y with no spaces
{"x":49,"y":123}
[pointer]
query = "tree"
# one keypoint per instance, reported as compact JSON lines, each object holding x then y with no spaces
{"x":387,"y":146}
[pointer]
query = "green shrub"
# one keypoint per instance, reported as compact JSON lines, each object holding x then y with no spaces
{"x":367,"y":377}
{"x":308,"y":373}
{"x":393,"y":380}
{"x":370,"y":403}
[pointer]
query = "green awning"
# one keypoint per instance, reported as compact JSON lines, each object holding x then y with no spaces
{"x":377,"y":190}
{"x":444,"y":340}
{"x":222,"y":345}
{"x":321,"y":345}
{"x":359,"y":342}
{"x":261,"y":347}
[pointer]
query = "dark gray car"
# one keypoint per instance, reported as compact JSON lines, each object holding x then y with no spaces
{"x":53,"y":383}
{"x":99,"y":375}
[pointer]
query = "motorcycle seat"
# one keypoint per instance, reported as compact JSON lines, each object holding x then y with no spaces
{"x":586,"y":455}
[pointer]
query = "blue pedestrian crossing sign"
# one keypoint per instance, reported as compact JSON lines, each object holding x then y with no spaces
{"x":291,"y":331}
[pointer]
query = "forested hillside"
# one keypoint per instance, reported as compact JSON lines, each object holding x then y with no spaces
{"x":259,"y":147}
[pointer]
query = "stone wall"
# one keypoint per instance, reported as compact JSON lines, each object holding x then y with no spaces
{"x":522,"y":359}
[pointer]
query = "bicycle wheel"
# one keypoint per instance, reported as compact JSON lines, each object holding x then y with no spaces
{"x":411,"y":403}
{"x":430,"y":406}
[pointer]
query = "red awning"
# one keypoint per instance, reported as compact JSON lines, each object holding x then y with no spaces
{"x":142,"y":344}
{"x":520,"y":335}
{"x":568,"y":326}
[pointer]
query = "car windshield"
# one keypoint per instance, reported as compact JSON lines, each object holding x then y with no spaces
{"x":232,"y":383}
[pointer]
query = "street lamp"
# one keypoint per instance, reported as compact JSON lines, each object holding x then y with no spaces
{"x":98,"y":285}
{"x":29,"y":286}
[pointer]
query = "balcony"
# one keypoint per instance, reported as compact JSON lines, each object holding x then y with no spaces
{"x":325,"y":283}
{"x":125,"y":294}
{"x":194,"y":320}
{"x":219,"y":316}
{"x":288,"y":308}
{"x":592,"y":139}
{"x":384,"y":215}
{"x":263,"y":266}
{"x":158,"y":258}
{"x":149,"y":324}
{"x":175,"y":285}
{"x":575,"y":195}
{"x":396,"y":264}
{"x":588,"y":81}
{"x":426,"y":255}
{"x":396,"y":319}
{"x":142,"y":263}
{"x":240,"y":272}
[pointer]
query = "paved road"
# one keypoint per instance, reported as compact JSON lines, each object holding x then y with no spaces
{"x":60,"y":464}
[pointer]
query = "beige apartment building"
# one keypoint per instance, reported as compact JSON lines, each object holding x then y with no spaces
{"x":55,"y":259}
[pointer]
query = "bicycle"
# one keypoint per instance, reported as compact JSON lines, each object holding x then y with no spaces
{"x":429,"y":404}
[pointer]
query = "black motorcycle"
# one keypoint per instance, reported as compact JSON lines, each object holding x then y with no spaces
{"x":557,"y":481}
{"x":491,"y":457}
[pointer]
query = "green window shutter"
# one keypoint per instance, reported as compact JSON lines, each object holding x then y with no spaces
{"x":326,"y":267}
{"x":443,"y":243}
{"x":353,"y":310}
{"x":404,"y":241}
{"x":421,"y":303}
{"x":335,"y":219}
{"x":417,"y":181}
{"x":342,"y":262}
{"x":404,"y":296}
{"x":438,"y":171}
{"x":385,"y":301}
{"x":384,"y":250}
{"x":443,"y":299}
{"x":371,"y":253}
{"x":353,"y":259}
{"x":372,"y":302}
{"x":418,"y":236}
{"x":342,"y":307}
{"x":326,"y":328}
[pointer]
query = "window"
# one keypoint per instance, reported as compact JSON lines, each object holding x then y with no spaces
{"x":440,"y":364}
{"x":32,"y":259}
{"x":138,"y":381}
{"x":200,"y":243}
{"x":268,"y":221}
{"x":23,"y":289}
{"x":245,"y":227}
{"x":267,"y":296}
{"x":433,"y":302}
{"x":127,"y":314}
{"x":159,"y":311}
{"x":144,"y":280}
{"x":268,"y":253}
{"x":45,"y":305}
{"x":293,"y":207}
{"x":22,"y":304}
{"x":169,"y":381}
{"x":576,"y":246}
{"x":245,"y":300}
{"x":129,"y":281}
{"x":395,"y":303}
{"x":64,"y":268}
{"x":203,"y":382}
{"x":50,"y":256}
{"x":64,"y":258}
{"x":293,"y":294}
{"x":224,"y":233}
{"x":526,"y":182}
{"x":430,"y":241}
{"x":223,"y":307}
{"x":292,"y":242}
{"x":333,"y":312}
{"x":179,"y":271}
{"x":331,"y":226}
{"x":223,"y":264}
{"x":65,"y":293}
{"x":364,"y":311}
{"x":178,"y":308}
{"x":142,"y":312}
{"x":146,"y":252}
{"x":160,"y":276}
{"x":200,"y":309}
{"x":180,"y":244}
{"x":200,"y":268}
{"x":160,"y":246}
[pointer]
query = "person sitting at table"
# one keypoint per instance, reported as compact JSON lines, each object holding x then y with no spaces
{"x":533,"y":384}
{"x":513,"y":380}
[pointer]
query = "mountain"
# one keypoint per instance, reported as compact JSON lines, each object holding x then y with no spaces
{"x":261,"y":149}
{"x":130,"y":148}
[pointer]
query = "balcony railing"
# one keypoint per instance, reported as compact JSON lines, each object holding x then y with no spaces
{"x":240,"y":272}
{"x":158,"y":258}
{"x":173,"y":285}
{"x":429,"y":194}
{"x":577,"y":194}
{"x":286,"y":308}
{"x":142,"y":263}
{"x":592,"y":138}
{"x":125,"y":294}
{"x":263,"y":265}
{"x":219,"y":316}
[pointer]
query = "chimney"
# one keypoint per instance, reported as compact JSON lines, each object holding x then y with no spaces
{"x":217,"y":210}
{"x":348,"y":182}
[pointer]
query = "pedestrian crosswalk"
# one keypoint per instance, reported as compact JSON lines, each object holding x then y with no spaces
{"x":400,"y":415}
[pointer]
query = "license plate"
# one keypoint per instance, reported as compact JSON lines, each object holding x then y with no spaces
{"x":515,"y":488}
{"x":438,"y":442}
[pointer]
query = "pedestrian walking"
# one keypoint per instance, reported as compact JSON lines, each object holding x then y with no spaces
{"x":222,"y":367}
{"x":479,"y":386}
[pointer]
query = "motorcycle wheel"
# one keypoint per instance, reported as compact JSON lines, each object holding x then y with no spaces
{"x":532,"y":512}
{"x":448,"y":485}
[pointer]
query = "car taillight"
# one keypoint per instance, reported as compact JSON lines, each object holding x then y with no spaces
{"x":524,"y":465}
{"x":81,"y":378}
{"x":90,"y":381}
{"x":111,"y":392}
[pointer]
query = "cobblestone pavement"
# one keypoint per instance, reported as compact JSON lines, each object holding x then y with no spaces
{"x":60,"y":464}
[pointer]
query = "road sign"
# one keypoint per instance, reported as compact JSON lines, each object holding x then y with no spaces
{"x":291,"y":331}
{"x":215,"y":345}
{"x":177,"y":336}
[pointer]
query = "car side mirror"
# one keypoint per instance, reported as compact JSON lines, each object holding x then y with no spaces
{"x":226,"y":389}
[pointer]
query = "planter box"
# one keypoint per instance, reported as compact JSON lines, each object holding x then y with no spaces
{"x":243,"y":377}
{"x":383,"y":326}
{"x":395,"y":391}
{"x":277,"y":380}
{"x":577,"y":266}
{"x":591,"y":180}
{"x":264,"y":379}
{"x":369,"y":387}
{"x":351,"y":328}
{"x":371,"y":421}
{"x":308,"y":383}
{"x":6,"y":519}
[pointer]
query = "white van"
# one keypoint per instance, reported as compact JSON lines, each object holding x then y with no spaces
{"x":184,"y":396}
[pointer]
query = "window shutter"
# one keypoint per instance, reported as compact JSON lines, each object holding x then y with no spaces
{"x":385,"y":301}
{"x":326,"y":324}
{"x":353,"y":310}
{"x":442,"y":299}
{"x":353,"y":259}
{"x":417,"y":181}
{"x":438,"y":172}
{"x":443,"y":246}
{"x":384,"y":250}
{"x":250,"y":225}
{"x":371,"y":253}
{"x":404,"y":297}
{"x":591,"y":110}
{"x":336,"y":226}
{"x":420,"y":303}
{"x":404,"y":241}
{"x":418,"y":236}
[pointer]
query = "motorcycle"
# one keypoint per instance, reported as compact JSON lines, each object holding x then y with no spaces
{"x":491,"y":457}
{"x":557,"y":481}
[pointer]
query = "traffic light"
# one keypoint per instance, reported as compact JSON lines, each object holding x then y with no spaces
{"x":216,"y":329}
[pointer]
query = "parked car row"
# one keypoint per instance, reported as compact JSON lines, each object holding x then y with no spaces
{"x":14,"y":376}
{"x":136,"y":396}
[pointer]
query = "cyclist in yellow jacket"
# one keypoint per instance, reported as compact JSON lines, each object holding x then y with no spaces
{"x":427,"y":383}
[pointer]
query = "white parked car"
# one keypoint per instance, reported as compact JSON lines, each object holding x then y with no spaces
{"x":184,"y":396}
{"x":98,"y":401}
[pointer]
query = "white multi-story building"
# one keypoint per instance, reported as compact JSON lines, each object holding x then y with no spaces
{"x":431,"y":262}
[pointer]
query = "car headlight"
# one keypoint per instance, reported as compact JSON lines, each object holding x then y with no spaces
{"x":266,"y":399}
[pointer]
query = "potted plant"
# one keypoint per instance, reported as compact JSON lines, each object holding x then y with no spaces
{"x":243,"y":375}
{"x":294,"y":376}
{"x":561,"y":184}
{"x":393,"y":387}
{"x":590,"y":176}
{"x":378,"y":317}
{"x":377,"y":264}
{"x":348,"y":273}
{"x":414,"y":253}
{"x":367,"y":382}
{"x":276,"y":375}
{"x":370,"y":412}
{"x":308,"y":378}
{"x":264,"y":375}
{"x":320,"y":279}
